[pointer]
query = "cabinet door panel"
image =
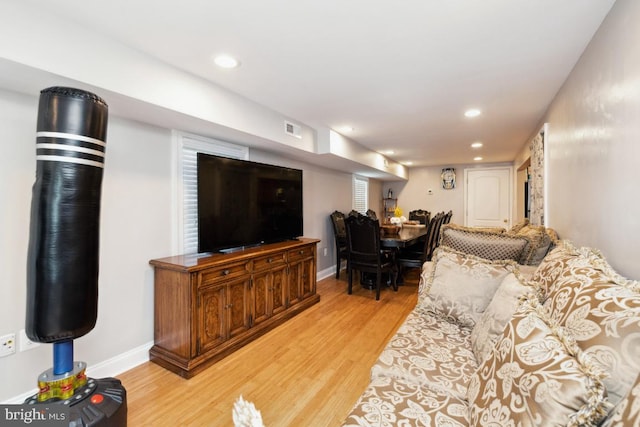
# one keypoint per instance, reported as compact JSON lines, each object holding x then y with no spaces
{"x":211,"y":318}
{"x":238,"y":307}
{"x":308,"y":280}
{"x":260,"y":298}
{"x":294,"y":283}
{"x":278,"y":290}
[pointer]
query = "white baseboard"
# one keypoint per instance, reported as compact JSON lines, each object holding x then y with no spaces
{"x":108,"y":368}
{"x":327,"y":272}
{"x":121,"y":363}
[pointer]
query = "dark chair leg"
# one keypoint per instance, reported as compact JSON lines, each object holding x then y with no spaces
{"x":350,"y":279}
{"x":337,"y":263}
{"x":394,"y":275}
{"x":378,"y":283}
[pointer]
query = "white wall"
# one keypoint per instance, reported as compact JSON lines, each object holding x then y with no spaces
{"x":136,"y":208}
{"x":413,"y":194}
{"x":593,"y":144}
{"x":136,"y":225}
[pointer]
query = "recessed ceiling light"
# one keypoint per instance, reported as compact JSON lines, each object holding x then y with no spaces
{"x":407,"y":163}
{"x":226,"y":61}
{"x":348,"y":128}
{"x":476,"y":144}
{"x":474,"y":112}
{"x":388,"y":152}
{"x":477,"y":159}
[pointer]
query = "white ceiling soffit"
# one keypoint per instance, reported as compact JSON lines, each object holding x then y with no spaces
{"x":400,"y":74}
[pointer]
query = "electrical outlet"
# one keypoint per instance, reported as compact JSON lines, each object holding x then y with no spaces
{"x":7,"y":345}
{"x":324,"y":251}
{"x":25,"y":342}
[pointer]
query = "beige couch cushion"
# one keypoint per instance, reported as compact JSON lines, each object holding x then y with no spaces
{"x":461,"y":286}
{"x":536,"y":375}
{"x":601,"y":310}
{"x":498,"y":313}
{"x":391,"y":402}
{"x":482,"y":243}
{"x":430,"y":351}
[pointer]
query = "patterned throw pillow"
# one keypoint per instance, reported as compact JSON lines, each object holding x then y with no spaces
{"x":601,"y":309}
{"x":484,"y":244}
{"x":540,"y":242}
{"x":519,"y":226}
{"x":498,"y":313}
{"x":536,"y":376}
{"x":553,"y":265}
{"x":461,"y":286}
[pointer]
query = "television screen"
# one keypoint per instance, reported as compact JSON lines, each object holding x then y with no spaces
{"x":243,"y":203}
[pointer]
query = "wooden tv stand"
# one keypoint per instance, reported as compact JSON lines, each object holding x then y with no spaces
{"x":209,"y":305}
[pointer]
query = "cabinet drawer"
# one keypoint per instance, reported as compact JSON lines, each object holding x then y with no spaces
{"x":229,"y":271}
{"x":300,"y":253}
{"x":269,"y":261}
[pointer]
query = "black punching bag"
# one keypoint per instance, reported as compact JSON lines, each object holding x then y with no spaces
{"x":62,"y":264}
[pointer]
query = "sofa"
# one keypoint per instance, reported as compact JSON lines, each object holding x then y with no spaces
{"x":508,"y":332}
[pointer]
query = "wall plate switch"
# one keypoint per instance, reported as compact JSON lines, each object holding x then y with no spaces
{"x":7,"y":345}
{"x":25,"y":343}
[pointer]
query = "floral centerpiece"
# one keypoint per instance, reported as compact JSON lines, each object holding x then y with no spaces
{"x":397,"y":218}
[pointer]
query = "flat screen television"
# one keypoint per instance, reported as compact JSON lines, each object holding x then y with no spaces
{"x":243,"y":203}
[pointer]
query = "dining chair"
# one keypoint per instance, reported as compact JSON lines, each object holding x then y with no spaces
{"x":434,"y":238}
{"x":420,"y":215}
{"x":416,"y":255}
{"x":340,"y":238}
{"x":364,"y":252}
{"x":371,"y":214}
{"x":447,"y":218}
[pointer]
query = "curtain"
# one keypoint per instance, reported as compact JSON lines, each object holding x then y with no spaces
{"x":536,"y":184}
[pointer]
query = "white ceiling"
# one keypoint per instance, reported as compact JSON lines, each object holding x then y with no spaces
{"x":401,"y":73}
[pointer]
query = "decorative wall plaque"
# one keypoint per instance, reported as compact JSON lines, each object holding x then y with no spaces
{"x":448,"y":178}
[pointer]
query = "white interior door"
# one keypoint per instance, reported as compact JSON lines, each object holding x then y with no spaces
{"x":488,"y":197}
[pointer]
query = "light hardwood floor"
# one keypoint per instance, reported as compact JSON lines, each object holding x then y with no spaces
{"x":307,"y":372}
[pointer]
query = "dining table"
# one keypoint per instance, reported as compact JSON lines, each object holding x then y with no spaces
{"x":407,"y":235}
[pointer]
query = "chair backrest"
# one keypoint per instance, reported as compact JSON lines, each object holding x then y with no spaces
{"x":339,"y":228}
{"x":433,"y":234}
{"x":354,"y":213}
{"x":447,"y":218}
{"x":420,"y":215}
{"x":371,"y":214}
{"x":428,"y":239}
{"x":363,"y":239}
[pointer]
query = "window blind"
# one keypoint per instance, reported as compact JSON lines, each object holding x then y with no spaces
{"x":360,"y":194}
{"x":189,"y":147}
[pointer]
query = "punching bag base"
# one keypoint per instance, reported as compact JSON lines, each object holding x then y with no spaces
{"x":100,"y":403}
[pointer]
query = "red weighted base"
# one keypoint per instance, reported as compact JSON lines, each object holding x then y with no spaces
{"x":99,"y":403}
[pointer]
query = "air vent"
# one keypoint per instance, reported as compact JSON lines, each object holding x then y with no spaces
{"x":292,"y":129}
